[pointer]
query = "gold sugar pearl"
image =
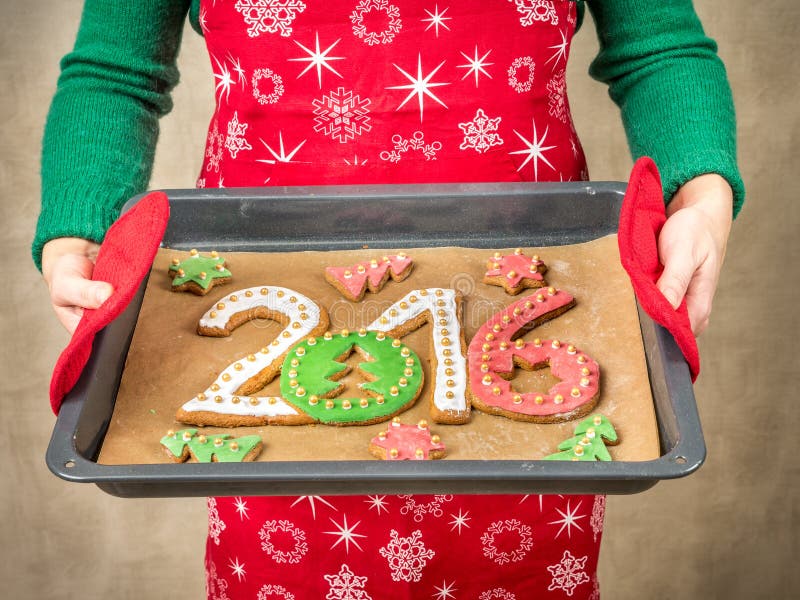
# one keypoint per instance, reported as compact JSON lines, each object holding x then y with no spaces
{"x":442,"y":322}
{"x":518,"y":251}
{"x":585,"y":441}
{"x":496,"y":391}
{"x":585,"y":381}
{"x":373,"y":263}
{"x":440,"y":303}
{"x":226,"y":377}
{"x":495,"y":265}
{"x":441,"y":313}
{"x":448,"y":362}
{"x":396,"y":421}
{"x":486,"y":347}
{"x":449,"y":372}
{"x":517,"y":311}
{"x":597,"y":419}
{"x":348,"y":274}
{"x":446,"y":341}
{"x":404,"y":305}
{"x":497,"y":327}
{"x":497,"y":255}
{"x":408,"y":372}
{"x":218,"y":442}
{"x":489,"y":337}
{"x":578,"y":451}
{"x":540,"y":297}
{"x":511,"y":274}
{"x":201,"y":396}
{"x":254,"y":401}
{"x":422,"y":424}
{"x":328,"y":336}
{"x":581,"y":359}
{"x":444,"y":332}
{"x":381,"y":435}
{"x":214,"y":387}
{"x":295,"y":362}
{"x":571,"y":349}
{"x":301,"y":307}
{"x":590,"y":433}
{"x":449,"y":395}
{"x":558,"y":399}
{"x":537,"y":342}
{"x":170,"y":433}
{"x":176,"y":261}
{"x":202,"y":439}
{"x":300,"y":351}
{"x":181,"y":273}
{"x":300,"y":392}
{"x":296,"y":325}
{"x":213,"y":314}
{"x":293,"y":383}
{"x":186,"y":436}
{"x":329,"y":404}
{"x":235,"y":399}
{"x":538,"y":400}
{"x":363,"y":403}
{"x":528,"y":305}
{"x":248,"y":294}
{"x":403,"y":382}
{"x":533,"y":268}
{"x":313,"y":400}
{"x":272,"y":400}
{"x":234,"y":447}
{"x":487,"y":379}
{"x":263,"y":291}
{"x":517,"y":399}
{"x":450,"y":383}
{"x":286,"y":334}
{"x":551,"y":291}
{"x":413,"y":299}
{"x":393,"y":312}
{"x":484,"y":357}
{"x":380,"y":336}
{"x":396,"y":343}
{"x":380,"y":399}
{"x":484,"y":368}
{"x":436,"y":439}
{"x":238,"y":366}
{"x":234,"y":298}
{"x":506,"y":319}
{"x":202,"y":275}
{"x":405,"y":352}
{"x":362,"y":332}
{"x":221,"y":306}
{"x":519,"y":343}
{"x":264,"y":350}
{"x":312,"y":341}
{"x":575,"y":392}
{"x":193,"y":252}
{"x":345,"y":333}
{"x":346,"y":404}
{"x":504,"y":345}
{"x":439,"y":293}
{"x":251,"y":357}
{"x":394,"y":452}
{"x":409,"y":362}
{"x":214,"y":254}
{"x":394,"y":390}
{"x":361,"y":269}
{"x":535,"y":258}
{"x":419,"y":453}
{"x":447,"y":352}
{"x":585,"y":371}
{"x":383,"y":320}
{"x":423,"y":292}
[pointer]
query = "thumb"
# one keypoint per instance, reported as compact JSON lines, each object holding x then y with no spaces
{"x":679,"y":267}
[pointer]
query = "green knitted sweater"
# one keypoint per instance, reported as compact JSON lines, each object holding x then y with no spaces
{"x":100,"y":136}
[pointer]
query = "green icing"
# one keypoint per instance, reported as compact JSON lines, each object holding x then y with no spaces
{"x":197,"y":264}
{"x":316,"y":364}
{"x":204,"y":451}
{"x":591,"y":448}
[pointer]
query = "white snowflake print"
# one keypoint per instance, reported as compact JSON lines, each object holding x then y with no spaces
{"x":269,"y":16}
{"x":509,"y":526}
{"x":480,"y":134}
{"x":531,"y":11}
{"x":215,"y":525}
{"x":521,"y":85}
{"x":569,"y":519}
{"x":341,"y":115}
{"x":434,"y":507}
{"x":318,"y":59}
{"x":216,"y":587}
{"x":277,"y":86}
{"x":235,"y":141}
{"x":535,"y":151}
{"x":391,"y":17}
{"x":312,"y":500}
{"x":445,"y":592}
{"x":437,"y":19}
{"x":241,"y":506}
{"x":274,"y":592}
{"x":283,"y":528}
{"x":345,"y":533}
{"x":200,"y":183}
{"x":214,"y":147}
{"x":568,"y":573}
{"x":377,"y":502}
{"x":346,"y":586}
{"x":402,"y":145}
{"x":420,"y":86}
{"x":557,"y":96}
{"x":406,"y":556}
{"x":460,"y":520}
{"x":476,"y":65}
{"x":598,"y":514}
{"x":497,"y":594}
{"x":595,"y":588}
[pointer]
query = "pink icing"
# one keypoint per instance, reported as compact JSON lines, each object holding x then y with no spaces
{"x":356,"y":282}
{"x":519,"y":264}
{"x":576,"y":370}
{"x":407,"y":439}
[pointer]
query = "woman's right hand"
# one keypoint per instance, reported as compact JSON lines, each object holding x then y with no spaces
{"x":67,"y":265}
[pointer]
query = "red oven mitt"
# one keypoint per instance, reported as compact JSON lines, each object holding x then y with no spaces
{"x":640,"y":221}
{"x":124,"y":258}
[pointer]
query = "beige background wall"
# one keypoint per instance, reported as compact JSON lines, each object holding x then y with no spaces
{"x":729,"y":531}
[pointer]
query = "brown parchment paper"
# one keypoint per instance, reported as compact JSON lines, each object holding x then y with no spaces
{"x":168,"y":363}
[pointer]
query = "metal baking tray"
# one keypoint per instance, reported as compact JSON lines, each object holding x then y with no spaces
{"x":348,"y":217}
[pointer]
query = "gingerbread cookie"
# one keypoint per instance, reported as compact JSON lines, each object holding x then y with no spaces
{"x":497,"y":348}
{"x":229,"y":400}
{"x":312,"y":369}
{"x":198,"y":274}
{"x":515,"y":272}
{"x":441,"y":308}
{"x":407,"y":442}
{"x":184,"y":444}
{"x":592,"y":435}
{"x":353,"y":281}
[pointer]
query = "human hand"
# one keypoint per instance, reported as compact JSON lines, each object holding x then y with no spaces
{"x":692,"y":244}
{"x":67,"y":265}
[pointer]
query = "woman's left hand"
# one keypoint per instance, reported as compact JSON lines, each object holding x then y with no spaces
{"x":692,"y":244}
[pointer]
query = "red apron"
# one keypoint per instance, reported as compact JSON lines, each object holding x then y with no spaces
{"x":394,"y":91}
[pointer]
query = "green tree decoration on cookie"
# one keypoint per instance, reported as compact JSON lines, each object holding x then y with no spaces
{"x":184,"y":444}
{"x":589,"y":442}
{"x":198,"y":274}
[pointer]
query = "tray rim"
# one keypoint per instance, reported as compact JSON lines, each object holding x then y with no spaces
{"x":674,"y":401}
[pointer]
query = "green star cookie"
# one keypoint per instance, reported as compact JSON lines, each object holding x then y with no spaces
{"x":198,"y":274}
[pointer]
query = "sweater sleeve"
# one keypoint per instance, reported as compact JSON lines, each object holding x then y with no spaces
{"x":101,"y":131}
{"x":672,"y":89}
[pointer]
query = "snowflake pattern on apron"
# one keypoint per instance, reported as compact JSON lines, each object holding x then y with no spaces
{"x":394,"y":91}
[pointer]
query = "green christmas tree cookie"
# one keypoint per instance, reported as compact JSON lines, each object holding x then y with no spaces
{"x":183,"y":444}
{"x":198,"y":273}
{"x":589,"y":442}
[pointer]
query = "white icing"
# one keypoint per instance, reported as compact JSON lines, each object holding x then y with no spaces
{"x":428,"y":302}
{"x":276,"y":299}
